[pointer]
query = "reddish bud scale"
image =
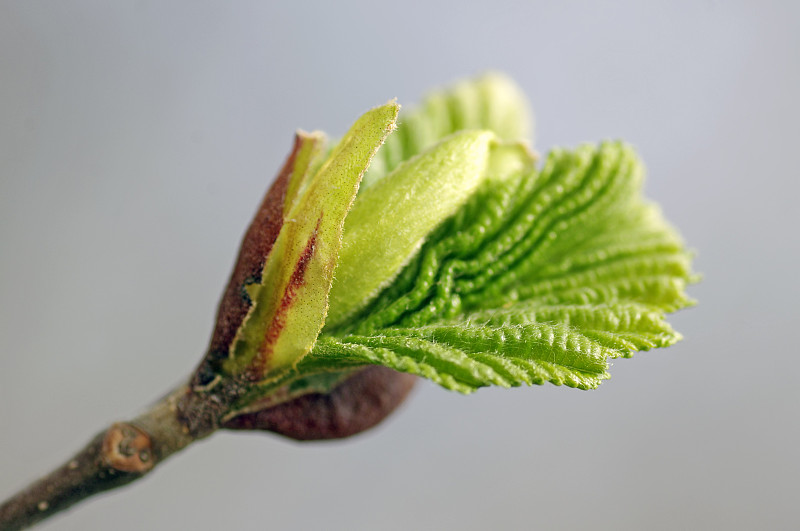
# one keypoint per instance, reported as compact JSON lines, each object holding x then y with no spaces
{"x":256,"y":246}
{"x":257,"y":367}
{"x":358,"y":404}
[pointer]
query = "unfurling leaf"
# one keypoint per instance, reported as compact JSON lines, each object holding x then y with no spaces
{"x":542,"y":277}
{"x":492,"y":102}
{"x":460,"y":260}
{"x":390,"y":221}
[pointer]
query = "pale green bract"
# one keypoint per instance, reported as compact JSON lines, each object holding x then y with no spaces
{"x":291,"y":301}
{"x":465,"y":263}
{"x":390,"y":221}
{"x":491,"y":102}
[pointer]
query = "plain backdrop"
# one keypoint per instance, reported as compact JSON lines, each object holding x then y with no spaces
{"x":137,"y":137}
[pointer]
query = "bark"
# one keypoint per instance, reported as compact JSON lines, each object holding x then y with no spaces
{"x":123,"y":453}
{"x":127,"y":451}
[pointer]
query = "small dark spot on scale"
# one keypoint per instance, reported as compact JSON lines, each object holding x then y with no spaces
{"x":243,"y":288}
{"x":205,"y":373}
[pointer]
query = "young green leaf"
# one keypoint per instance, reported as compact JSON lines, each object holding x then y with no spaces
{"x":492,"y":102}
{"x":390,"y":221}
{"x":541,"y":277}
{"x":464,"y":263}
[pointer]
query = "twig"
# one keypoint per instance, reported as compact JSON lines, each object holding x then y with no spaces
{"x":127,"y":451}
{"x":124,"y":452}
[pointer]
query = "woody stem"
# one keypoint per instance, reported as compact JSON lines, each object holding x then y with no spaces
{"x":122,"y":453}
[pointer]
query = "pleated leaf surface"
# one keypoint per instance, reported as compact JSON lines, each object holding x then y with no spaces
{"x":540,"y":278}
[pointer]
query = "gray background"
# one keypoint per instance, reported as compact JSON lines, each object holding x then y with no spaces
{"x":136,"y":139}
